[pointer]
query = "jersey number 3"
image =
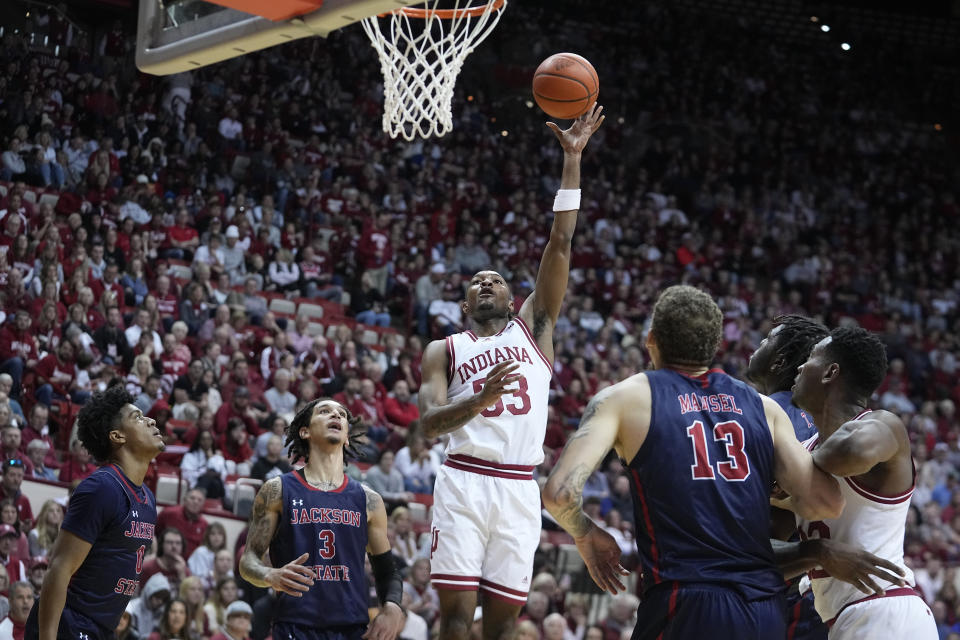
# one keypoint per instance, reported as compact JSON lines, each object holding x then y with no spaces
{"x":327,"y":548}
{"x":520,"y":409}
{"x":735,"y":468}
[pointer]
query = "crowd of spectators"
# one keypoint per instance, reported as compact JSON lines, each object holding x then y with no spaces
{"x":146,"y":225}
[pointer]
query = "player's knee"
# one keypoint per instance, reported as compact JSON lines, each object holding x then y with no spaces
{"x":455,"y":626}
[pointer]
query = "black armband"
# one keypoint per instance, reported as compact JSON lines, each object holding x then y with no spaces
{"x":387,"y":578}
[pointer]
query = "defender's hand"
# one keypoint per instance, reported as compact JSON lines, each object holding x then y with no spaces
{"x":601,"y":554}
{"x":292,"y":578}
{"x":574,"y":139}
{"x":854,"y":565}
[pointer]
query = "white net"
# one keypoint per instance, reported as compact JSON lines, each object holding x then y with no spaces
{"x":421,"y":52}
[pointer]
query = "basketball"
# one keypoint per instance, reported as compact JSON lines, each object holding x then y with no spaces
{"x":565,"y":85}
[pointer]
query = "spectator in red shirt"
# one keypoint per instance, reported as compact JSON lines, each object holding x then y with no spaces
{"x":38,"y":428}
{"x":187,"y":519}
{"x":13,"y":472}
{"x":400,"y":412}
{"x":375,"y":251}
{"x":109,"y":281}
{"x":168,"y":305}
{"x":56,"y":377}
{"x":398,"y":407}
{"x":235,"y":446}
{"x":182,"y":237}
{"x":11,"y":447}
{"x":77,"y":465}
{"x":169,"y":559}
{"x":21,"y":601}
{"x":18,"y":350}
{"x":238,"y":407}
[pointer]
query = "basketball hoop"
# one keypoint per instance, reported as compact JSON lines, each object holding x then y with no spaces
{"x":420,"y":66}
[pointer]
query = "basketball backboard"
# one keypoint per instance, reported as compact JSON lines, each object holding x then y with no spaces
{"x":181,"y":35}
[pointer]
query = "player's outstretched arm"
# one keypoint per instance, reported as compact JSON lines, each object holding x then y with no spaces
{"x":437,"y":416}
{"x":69,"y":552}
{"x":387,"y":579}
{"x":842,"y":561}
{"x":859,"y":445}
{"x":563,"y":492}
{"x":814,"y":494}
{"x":542,"y":308}
{"x":293,"y":578}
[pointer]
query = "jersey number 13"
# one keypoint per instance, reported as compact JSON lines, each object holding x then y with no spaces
{"x":736,"y":466}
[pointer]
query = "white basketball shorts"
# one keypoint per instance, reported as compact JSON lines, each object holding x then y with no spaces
{"x":901,"y":616}
{"x":486,"y":528}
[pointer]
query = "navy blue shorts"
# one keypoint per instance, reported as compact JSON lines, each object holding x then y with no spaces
{"x":288,"y":631}
{"x":73,"y":626}
{"x":803,"y":621}
{"x":682,"y":612}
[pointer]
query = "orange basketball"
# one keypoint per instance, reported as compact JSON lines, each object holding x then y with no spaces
{"x":565,"y":85}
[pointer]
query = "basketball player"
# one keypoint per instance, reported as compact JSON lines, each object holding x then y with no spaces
{"x":870,"y":451}
{"x":702,"y":450}
{"x":96,"y":561}
{"x":317,"y":524}
{"x":488,"y":388}
{"x":771,"y":369}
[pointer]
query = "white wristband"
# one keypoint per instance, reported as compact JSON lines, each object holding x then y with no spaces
{"x":567,"y":200}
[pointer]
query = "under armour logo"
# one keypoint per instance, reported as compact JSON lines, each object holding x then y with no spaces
{"x":84,"y":636}
{"x":136,"y":515}
{"x":297,"y":503}
{"x":525,"y":580}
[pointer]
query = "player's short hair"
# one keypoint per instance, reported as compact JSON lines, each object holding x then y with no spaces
{"x":795,"y":340}
{"x":98,"y":417}
{"x":862,"y":358}
{"x":687,"y":325}
{"x":300,"y":447}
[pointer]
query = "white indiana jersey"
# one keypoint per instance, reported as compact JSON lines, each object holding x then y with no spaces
{"x":870,"y":521}
{"x":511,"y":431}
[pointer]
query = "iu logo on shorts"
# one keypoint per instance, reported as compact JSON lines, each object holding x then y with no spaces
{"x":434,"y":540}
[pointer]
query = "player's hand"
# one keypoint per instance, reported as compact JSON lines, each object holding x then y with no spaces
{"x":498,"y":379}
{"x":574,"y":139}
{"x":854,"y":565}
{"x":292,"y":578}
{"x":388,"y":623}
{"x":601,"y":554}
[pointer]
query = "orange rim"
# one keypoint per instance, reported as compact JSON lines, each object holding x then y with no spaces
{"x":450,"y":14}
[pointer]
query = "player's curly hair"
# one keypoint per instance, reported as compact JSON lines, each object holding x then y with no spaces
{"x":300,"y":447}
{"x":687,"y":325}
{"x":98,"y":417}
{"x":795,"y":341}
{"x":862,"y":358}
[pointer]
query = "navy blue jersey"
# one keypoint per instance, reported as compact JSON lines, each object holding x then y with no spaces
{"x":701,"y":486}
{"x":118,"y":518}
{"x":804,"y":622}
{"x":332,"y":527}
{"x":802,"y":423}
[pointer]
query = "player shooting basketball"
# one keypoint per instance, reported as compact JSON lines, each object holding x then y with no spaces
{"x":488,"y":388}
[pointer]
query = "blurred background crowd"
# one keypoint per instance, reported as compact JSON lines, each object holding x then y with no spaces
{"x":233,"y":242}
